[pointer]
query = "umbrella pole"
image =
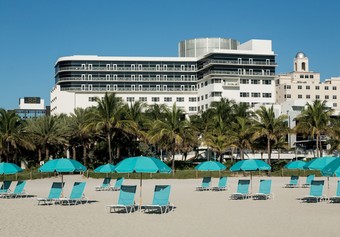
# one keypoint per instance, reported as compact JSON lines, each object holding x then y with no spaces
{"x":62,"y":185}
{"x":140,"y":192}
{"x":328,"y":189}
{"x":251,"y":183}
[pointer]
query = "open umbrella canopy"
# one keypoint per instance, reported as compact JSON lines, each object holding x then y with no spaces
{"x":250,"y":165}
{"x":142,"y":164}
{"x":333,"y":168}
{"x":9,"y":168}
{"x":295,"y":165}
{"x":210,"y":166}
{"x":62,"y":165}
{"x":318,"y":163}
{"x":107,"y":168}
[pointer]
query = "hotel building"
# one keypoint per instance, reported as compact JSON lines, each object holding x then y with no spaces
{"x":205,"y":70}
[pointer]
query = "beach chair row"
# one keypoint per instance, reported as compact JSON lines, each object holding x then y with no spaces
{"x":242,"y":192}
{"x":316,"y":193}
{"x":294,"y":182}
{"x":126,"y":201}
{"x":55,"y":195}
{"x":206,"y":184}
{"x":19,"y":190}
{"x":106,"y":185}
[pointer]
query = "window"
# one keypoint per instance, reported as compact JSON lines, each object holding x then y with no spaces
{"x":255,"y":94}
{"x":266,"y":82}
{"x":198,"y":98}
{"x":250,"y":61}
{"x":140,"y":87}
{"x":158,"y":77}
{"x":267,"y":95}
{"x":130,"y":99}
{"x":108,"y":67}
{"x":300,"y":87}
{"x":192,"y":108}
{"x":206,"y":96}
{"x":334,"y":97}
{"x":143,"y":99}
{"x":289,"y":96}
{"x":90,"y":66}
{"x":165,"y":88}
{"x":108,"y":77}
{"x":307,"y":96}
{"x":193,"y":67}
{"x":140,"y":77}
{"x":155,"y":99}
{"x":133,"y":87}
{"x":244,"y":94}
{"x":140,"y":67}
{"x":89,"y":77}
{"x":114,"y":67}
{"x":133,"y":77}
{"x":289,"y":87}
{"x":158,"y":67}
{"x":335,"y":105}
{"x":306,"y":76}
{"x":165,"y":67}
{"x":83,"y":76}
{"x":317,"y":87}
{"x":133,"y":67}
{"x":167,"y":99}
{"x":182,"y":68}
{"x":165,"y":77}
{"x":326,"y":97}
{"x":244,"y":81}
{"x":193,"y":87}
{"x":192,"y":99}
{"x":192,"y":77}
{"x":179,"y":99}
{"x":254,"y":81}
{"x":182,"y":88}
{"x":334,"y":88}
{"x":311,"y":76}
{"x":182,"y":77}
{"x":108,"y":87}
{"x":307,"y":87}
{"x":326,"y":88}
{"x":92,"y":99}
{"x":216,"y":94}
{"x":251,"y":71}
{"x":317,"y":97}
{"x":299,"y":96}
{"x":301,"y":76}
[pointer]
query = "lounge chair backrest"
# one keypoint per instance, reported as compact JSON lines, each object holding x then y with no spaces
{"x":161,"y":195}
{"x":56,"y":190}
{"x":206,"y":182}
{"x":265,"y":186}
{"x":243,"y":186}
{"x":294,"y":180}
{"x":106,"y":182}
{"x":119,"y":182}
{"x":310,"y":178}
{"x":127,"y":195}
{"x":5,"y":186}
{"x":222,"y":182}
{"x":77,"y":190}
{"x":19,"y":188}
{"x":316,"y":188}
{"x":338,"y":189}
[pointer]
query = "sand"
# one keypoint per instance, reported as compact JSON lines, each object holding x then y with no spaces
{"x":196,"y":214}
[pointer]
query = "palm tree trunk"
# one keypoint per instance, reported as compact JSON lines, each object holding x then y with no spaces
{"x":269,"y":150}
{"x":39,"y":154}
{"x":84,"y":153}
{"x":241,"y":154}
{"x":74,"y":153}
{"x":110,"y":150}
{"x":317,"y":146}
{"x":47,"y":151}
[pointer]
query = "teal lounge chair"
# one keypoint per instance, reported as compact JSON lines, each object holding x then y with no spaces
{"x":336,"y":198}
{"x":308,"y":181}
{"x":19,"y":191}
{"x":160,"y":200}
{"x":264,"y":190}
{"x":126,"y":200}
{"x":316,"y":192}
{"x":118,"y":184}
{"x":205,"y":186}
{"x":5,"y":187}
{"x":105,"y":185}
{"x":222,"y":184}
{"x":77,"y":195}
{"x":242,"y":190}
{"x":54,"y":195}
{"x":294,"y":182}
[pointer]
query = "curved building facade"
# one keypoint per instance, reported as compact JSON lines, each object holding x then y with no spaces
{"x":201,"y":46}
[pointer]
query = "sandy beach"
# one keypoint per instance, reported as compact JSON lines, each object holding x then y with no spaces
{"x":197,"y":213}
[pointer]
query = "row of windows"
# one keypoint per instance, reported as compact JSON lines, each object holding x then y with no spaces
{"x":307,"y":76}
{"x":308,"y":87}
{"x":317,"y":97}
{"x":255,"y":94}
{"x":153,"y":99}
{"x":109,"y":87}
{"x":256,"y":81}
{"x":139,"y":67}
{"x":108,"y":77}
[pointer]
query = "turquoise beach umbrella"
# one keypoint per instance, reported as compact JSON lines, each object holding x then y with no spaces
{"x":318,"y":163}
{"x":295,"y":165}
{"x":333,"y":168}
{"x":62,"y":165}
{"x":210,"y":166}
{"x":250,"y":165}
{"x":9,"y":168}
{"x":107,"y":168}
{"x":142,"y":164}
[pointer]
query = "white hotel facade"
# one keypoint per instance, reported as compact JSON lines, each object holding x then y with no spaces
{"x":205,"y":70}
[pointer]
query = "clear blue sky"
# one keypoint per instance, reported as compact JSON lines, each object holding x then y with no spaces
{"x":34,"y":34}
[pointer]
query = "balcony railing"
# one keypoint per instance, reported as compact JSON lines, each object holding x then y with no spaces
{"x":124,"y":69}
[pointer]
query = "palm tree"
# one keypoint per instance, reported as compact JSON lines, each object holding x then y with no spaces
{"x":170,"y":130}
{"x":334,"y":133}
{"x":314,"y":121}
{"x":12,"y":135}
{"x":242,"y":132}
{"x":270,"y":127}
{"x":47,"y":132}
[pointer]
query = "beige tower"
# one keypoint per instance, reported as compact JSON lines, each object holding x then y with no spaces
{"x":301,"y":63}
